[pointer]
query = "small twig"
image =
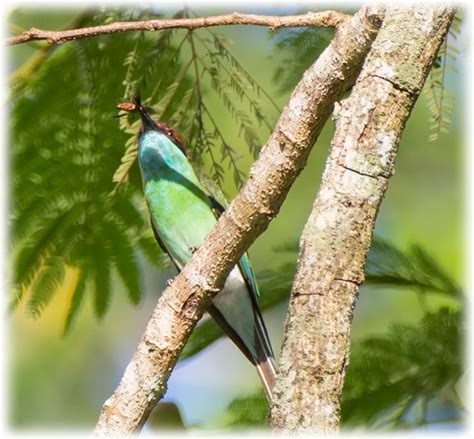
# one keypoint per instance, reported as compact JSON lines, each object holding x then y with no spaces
{"x":323,"y":19}
{"x":244,"y":92}
{"x":236,"y":62}
{"x":200,"y":106}
{"x":232,"y":159}
{"x":197,"y":85}
{"x":171,"y":60}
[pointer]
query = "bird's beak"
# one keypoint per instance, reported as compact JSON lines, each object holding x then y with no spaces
{"x":147,"y":122}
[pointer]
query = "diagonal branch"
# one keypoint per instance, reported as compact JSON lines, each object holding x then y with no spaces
{"x":283,"y":157}
{"x":323,"y":19}
{"x":337,"y":235}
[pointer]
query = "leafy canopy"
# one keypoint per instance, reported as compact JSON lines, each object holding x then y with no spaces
{"x":66,"y":147}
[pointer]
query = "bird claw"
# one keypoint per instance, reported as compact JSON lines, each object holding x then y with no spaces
{"x":169,"y":282}
{"x":193,"y":249}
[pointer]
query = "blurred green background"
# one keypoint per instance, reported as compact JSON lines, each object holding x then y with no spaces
{"x":58,"y":382}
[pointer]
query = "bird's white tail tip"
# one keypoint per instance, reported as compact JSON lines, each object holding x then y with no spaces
{"x":267,"y":373}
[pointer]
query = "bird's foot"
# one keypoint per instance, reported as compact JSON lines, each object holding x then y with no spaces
{"x":169,"y":282}
{"x":193,"y":249}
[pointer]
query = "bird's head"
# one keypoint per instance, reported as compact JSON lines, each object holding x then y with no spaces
{"x":148,"y":124}
{"x":136,"y":107}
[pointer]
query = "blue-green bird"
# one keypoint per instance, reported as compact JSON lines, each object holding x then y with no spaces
{"x":182,"y":214}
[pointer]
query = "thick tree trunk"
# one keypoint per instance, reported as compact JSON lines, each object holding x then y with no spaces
{"x":281,"y":159}
{"x":337,"y":235}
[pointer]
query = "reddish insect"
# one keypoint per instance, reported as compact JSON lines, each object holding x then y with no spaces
{"x":127,"y":106}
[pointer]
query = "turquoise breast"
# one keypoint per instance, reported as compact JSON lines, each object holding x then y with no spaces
{"x":179,"y":207}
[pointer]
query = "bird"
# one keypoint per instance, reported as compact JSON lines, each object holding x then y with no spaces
{"x":182,"y":212}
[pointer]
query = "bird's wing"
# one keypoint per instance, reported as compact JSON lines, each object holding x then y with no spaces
{"x":162,"y":245}
{"x":218,"y":202}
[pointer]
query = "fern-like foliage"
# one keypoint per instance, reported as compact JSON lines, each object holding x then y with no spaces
{"x":46,"y":282}
{"x":76,"y":301}
{"x":199,"y":63}
{"x":76,"y":192}
{"x":388,"y":376}
{"x":248,"y":412}
{"x":440,"y":101}
{"x":297,"y":48}
{"x":387,"y":265}
{"x":65,"y":147}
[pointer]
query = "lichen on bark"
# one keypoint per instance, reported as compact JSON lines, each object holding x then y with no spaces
{"x":337,"y":234}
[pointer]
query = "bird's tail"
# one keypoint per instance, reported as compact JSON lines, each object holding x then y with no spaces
{"x":261,"y":355}
{"x":267,"y":373}
{"x":264,"y":361}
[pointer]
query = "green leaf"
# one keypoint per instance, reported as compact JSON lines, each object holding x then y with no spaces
{"x":430,"y":268}
{"x":126,"y":162}
{"x":44,"y":285}
{"x":203,"y":335}
{"x":127,"y":210}
{"x":297,"y":48}
{"x":387,"y":265}
{"x":249,"y":411}
{"x":101,"y":280}
{"x":410,"y":362}
{"x":435,"y":89}
{"x":37,"y":248}
{"x":76,"y":301}
{"x":124,"y":260}
{"x":152,"y":252}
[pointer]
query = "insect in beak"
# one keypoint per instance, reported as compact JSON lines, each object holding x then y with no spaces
{"x":128,"y":107}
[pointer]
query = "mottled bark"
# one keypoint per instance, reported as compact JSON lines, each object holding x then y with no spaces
{"x":337,"y":235}
{"x":281,"y":159}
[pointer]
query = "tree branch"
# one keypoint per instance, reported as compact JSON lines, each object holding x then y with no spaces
{"x":282,"y":158}
{"x":323,"y":19}
{"x":337,"y":235}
